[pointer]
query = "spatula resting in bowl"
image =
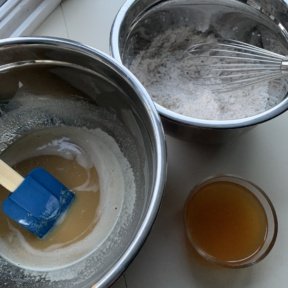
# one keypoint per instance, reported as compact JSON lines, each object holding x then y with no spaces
{"x":37,"y":201}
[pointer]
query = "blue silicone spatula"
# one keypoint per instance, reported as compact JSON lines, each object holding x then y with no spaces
{"x":37,"y":201}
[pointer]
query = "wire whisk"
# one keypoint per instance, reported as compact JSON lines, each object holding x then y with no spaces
{"x":232,"y":64}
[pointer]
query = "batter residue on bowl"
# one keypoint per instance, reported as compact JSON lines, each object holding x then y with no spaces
{"x":88,"y":162}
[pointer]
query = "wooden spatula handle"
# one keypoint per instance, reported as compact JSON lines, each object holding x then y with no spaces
{"x":9,"y":178}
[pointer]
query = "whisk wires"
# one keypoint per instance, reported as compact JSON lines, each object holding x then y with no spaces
{"x":233,"y":64}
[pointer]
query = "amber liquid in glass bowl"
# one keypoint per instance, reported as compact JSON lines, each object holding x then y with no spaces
{"x":227,"y":223}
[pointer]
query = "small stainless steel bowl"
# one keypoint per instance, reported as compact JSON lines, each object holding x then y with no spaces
{"x":138,"y":22}
{"x":68,"y":70}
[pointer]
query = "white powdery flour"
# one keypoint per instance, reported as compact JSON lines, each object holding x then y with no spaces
{"x":165,"y":70}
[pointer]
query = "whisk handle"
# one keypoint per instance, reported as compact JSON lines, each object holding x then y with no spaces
{"x":284,"y":65}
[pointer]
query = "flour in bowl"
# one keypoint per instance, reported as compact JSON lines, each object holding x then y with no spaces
{"x":165,"y":68}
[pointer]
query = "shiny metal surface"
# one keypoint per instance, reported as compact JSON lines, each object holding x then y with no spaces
{"x":81,"y":67}
{"x":139,"y":21}
{"x":284,"y":65}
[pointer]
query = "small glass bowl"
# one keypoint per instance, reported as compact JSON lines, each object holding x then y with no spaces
{"x":271,"y":222}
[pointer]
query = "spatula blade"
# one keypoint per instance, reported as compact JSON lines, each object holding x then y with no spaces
{"x":38,"y":202}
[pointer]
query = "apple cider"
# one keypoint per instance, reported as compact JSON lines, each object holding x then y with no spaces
{"x":225,"y":221}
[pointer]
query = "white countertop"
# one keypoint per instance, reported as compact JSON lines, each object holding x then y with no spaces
{"x":259,"y":155}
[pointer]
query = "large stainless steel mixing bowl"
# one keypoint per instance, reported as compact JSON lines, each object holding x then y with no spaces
{"x":139,"y":22}
{"x":64,"y":69}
